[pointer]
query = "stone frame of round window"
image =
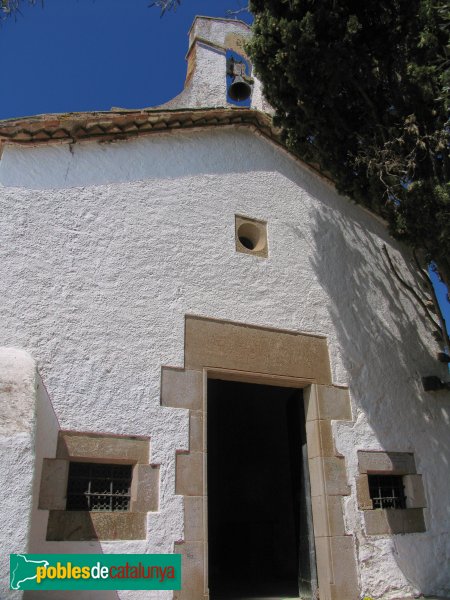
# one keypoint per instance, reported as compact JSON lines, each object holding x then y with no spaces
{"x":251,"y":236}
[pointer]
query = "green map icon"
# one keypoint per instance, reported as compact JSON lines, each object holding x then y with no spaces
{"x":23,"y":569}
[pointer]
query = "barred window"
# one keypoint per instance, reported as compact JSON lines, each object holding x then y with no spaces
{"x":387,"y":491}
{"x":98,"y":487}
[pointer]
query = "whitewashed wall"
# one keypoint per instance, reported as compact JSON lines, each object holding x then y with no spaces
{"x":104,"y":250}
{"x":17,"y":426}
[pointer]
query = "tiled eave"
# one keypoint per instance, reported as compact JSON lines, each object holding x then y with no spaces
{"x":117,"y":125}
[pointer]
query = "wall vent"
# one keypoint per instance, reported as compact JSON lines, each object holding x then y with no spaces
{"x":251,"y":236}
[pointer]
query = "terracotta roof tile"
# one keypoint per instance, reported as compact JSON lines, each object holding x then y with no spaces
{"x":59,"y":134}
{"x":146,"y":126}
{"x":120,"y":124}
{"x":45,"y":128}
{"x":41,"y":135}
{"x":22,"y":136}
{"x":94,"y":129}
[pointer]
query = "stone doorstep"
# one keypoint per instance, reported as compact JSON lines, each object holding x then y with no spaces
{"x":267,"y":598}
{"x":300,"y":598}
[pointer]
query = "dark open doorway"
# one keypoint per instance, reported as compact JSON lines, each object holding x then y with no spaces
{"x":260,"y":542}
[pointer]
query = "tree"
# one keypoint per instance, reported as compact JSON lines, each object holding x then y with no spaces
{"x":11,"y":7}
{"x":166,"y":5}
{"x":362,"y":90}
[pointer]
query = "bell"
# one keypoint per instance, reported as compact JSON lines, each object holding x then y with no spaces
{"x":239,"y":90}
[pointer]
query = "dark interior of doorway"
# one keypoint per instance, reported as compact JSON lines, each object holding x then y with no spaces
{"x":260,"y":541}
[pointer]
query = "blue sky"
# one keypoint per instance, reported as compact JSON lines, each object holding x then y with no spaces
{"x":441,"y":292}
{"x":81,"y":55}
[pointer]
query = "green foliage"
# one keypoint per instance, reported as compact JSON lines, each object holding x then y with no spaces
{"x":362,"y":90}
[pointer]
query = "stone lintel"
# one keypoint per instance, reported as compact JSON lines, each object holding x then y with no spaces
{"x":225,"y":345}
{"x":389,"y":463}
{"x":102,"y":448}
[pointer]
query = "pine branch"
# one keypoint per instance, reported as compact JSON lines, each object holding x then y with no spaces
{"x":9,"y":8}
{"x":238,"y":11}
{"x":411,"y":290}
{"x":166,"y":5}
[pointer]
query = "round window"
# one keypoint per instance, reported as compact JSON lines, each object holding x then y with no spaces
{"x":249,"y":235}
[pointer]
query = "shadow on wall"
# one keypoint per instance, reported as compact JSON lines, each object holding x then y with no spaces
{"x":46,"y":435}
{"x":384,"y":352}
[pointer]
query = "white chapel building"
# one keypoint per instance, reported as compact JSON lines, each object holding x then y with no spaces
{"x":206,"y":350}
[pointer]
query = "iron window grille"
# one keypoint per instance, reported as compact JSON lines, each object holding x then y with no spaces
{"x":98,"y":487}
{"x":387,"y":491}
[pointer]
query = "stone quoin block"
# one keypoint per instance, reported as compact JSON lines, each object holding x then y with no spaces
{"x":53,"y":488}
{"x":363,"y":492}
{"x":414,"y":491}
{"x":196,"y":441}
{"x":328,"y":477}
{"x":193,"y":518}
{"x":189,"y":474}
{"x":320,"y":439}
{"x":345,"y":581}
{"x":182,"y":388}
{"x":327,"y":516}
{"x":145,"y":488}
{"x":326,"y":402}
{"x":193,"y":586}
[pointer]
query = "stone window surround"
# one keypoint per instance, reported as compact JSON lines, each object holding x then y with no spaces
{"x":84,"y":525}
{"x":388,"y":521}
{"x":240,"y":352}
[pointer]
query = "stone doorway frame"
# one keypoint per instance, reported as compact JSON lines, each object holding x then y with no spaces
{"x":241,"y":352}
